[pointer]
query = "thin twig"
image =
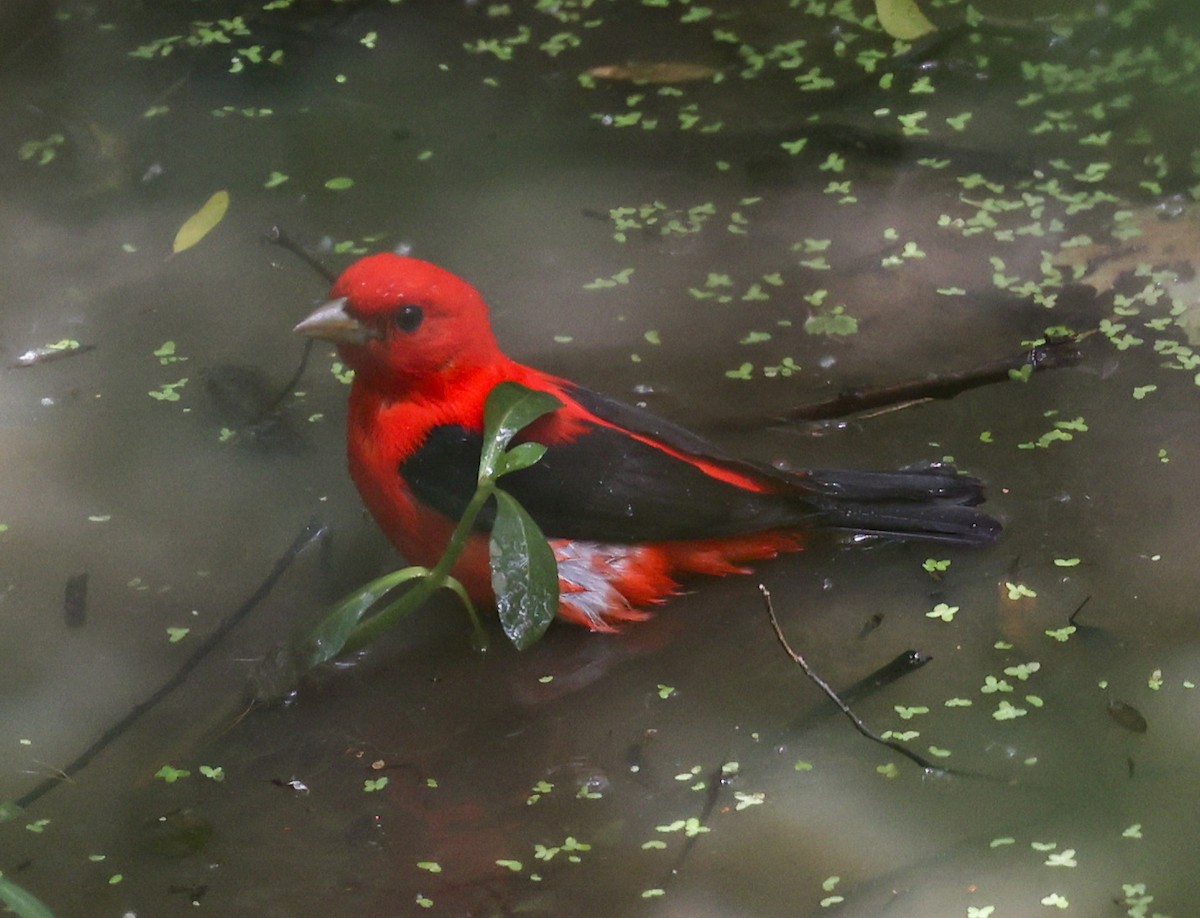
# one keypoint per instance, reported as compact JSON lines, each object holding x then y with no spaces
{"x":1078,"y":609}
{"x":825,"y":687}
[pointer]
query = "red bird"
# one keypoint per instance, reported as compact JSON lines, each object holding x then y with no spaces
{"x":628,"y":501}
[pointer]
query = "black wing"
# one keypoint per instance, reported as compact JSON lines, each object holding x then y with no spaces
{"x":608,"y":486}
{"x":602,"y":486}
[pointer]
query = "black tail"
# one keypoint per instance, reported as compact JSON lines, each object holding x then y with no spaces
{"x":933,"y":502}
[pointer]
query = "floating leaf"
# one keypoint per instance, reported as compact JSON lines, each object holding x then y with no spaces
{"x":524,"y":573}
{"x":202,"y":222}
{"x":833,"y":322}
{"x":170,"y":774}
{"x":942,"y":611}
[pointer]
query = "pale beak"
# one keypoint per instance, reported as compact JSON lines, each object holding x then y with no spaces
{"x":331,"y":322}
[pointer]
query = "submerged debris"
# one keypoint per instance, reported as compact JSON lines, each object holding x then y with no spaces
{"x":247,"y":402}
{"x":1127,"y":716}
{"x":68,"y":347}
{"x":75,"y":601}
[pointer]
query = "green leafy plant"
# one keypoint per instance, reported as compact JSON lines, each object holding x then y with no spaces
{"x":19,"y":901}
{"x":524,"y":570}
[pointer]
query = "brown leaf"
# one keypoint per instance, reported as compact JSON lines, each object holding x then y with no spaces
{"x":660,"y":72}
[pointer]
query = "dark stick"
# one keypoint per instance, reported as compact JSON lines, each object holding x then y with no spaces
{"x":824,"y":686}
{"x":1054,"y":354}
{"x":903,"y":664}
{"x":1078,"y":609}
{"x":312,"y":531}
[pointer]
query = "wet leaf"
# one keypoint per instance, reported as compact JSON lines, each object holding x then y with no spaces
{"x":510,"y":407}
{"x":329,"y":638}
{"x":524,"y":573}
{"x":1127,"y":716}
{"x":202,"y":222}
{"x":21,"y":902}
{"x":520,"y":457}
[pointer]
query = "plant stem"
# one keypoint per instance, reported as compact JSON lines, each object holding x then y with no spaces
{"x":433,"y":581}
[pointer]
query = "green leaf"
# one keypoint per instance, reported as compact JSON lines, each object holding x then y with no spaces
{"x":199,"y":224}
{"x":524,"y":573}
{"x":329,"y":638}
{"x":171,"y":774}
{"x":833,"y":322}
{"x":21,"y":902}
{"x":520,"y":457}
{"x":903,"y":19}
{"x":510,"y":407}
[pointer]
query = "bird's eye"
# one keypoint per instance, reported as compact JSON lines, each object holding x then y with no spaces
{"x":408,"y":318}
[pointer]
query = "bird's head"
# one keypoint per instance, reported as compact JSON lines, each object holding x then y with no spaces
{"x":403,"y":324}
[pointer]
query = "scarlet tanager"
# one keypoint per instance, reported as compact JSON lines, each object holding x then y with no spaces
{"x":627,"y":500}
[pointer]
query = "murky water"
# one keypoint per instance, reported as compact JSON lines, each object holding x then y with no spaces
{"x":687,"y":766}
